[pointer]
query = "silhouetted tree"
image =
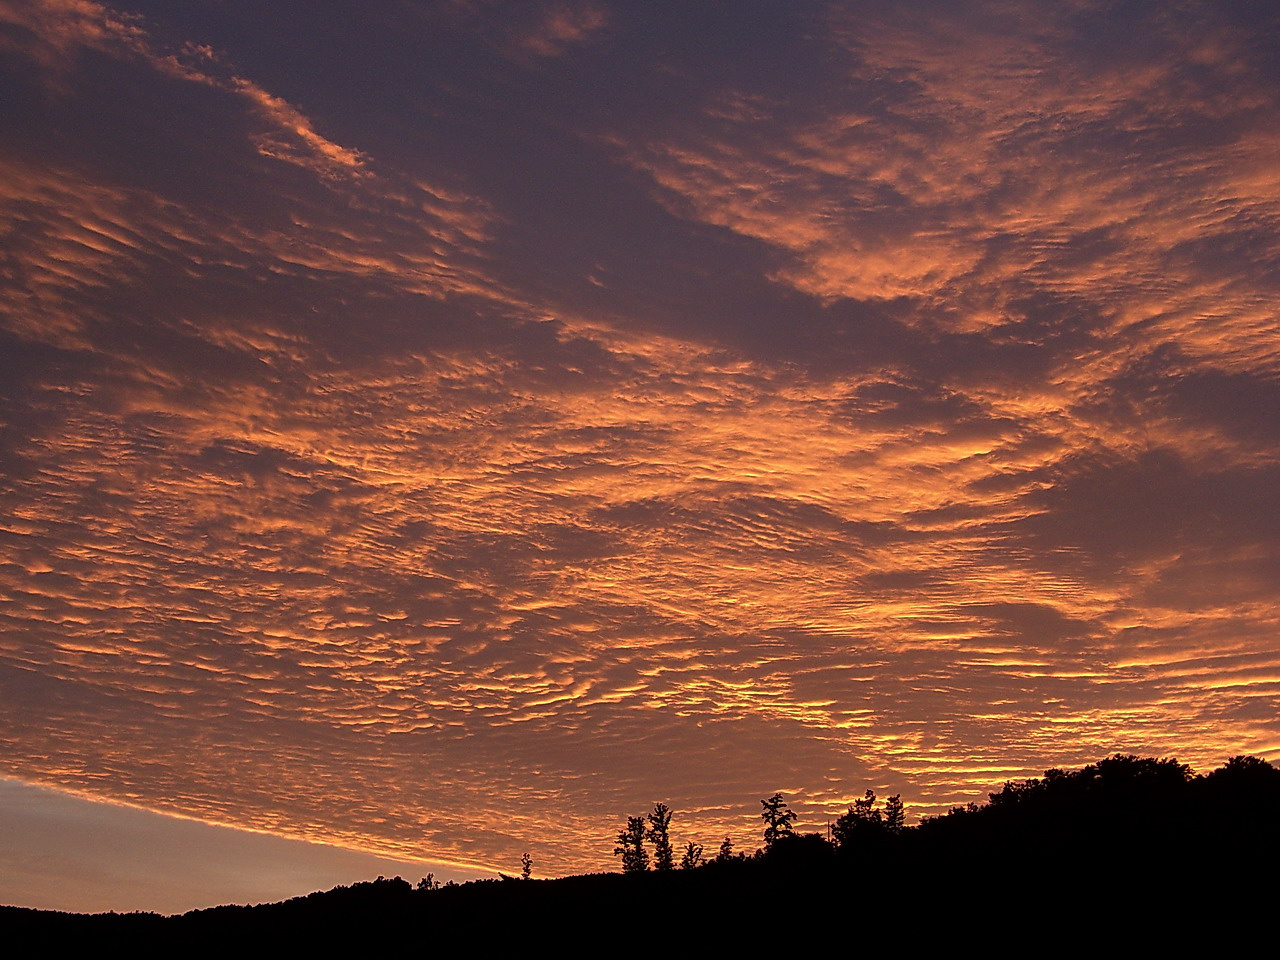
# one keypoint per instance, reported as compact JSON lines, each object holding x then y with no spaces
{"x":1124,"y":780}
{"x":526,"y":866}
{"x":861,"y":821}
{"x":429,"y":882}
{"x":1246,"y":770}
{"x":635,"y":859}
{"x":1245,"y":795}
{"x":799,"y":850}
{"x":692,"y":856}
{"x":726,"y":851}
{"x":895,"y":814}
{"x":659,"y":833}
{"x":777,"y":817}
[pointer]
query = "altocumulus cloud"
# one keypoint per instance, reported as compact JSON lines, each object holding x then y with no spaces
{"x":418,"y":427}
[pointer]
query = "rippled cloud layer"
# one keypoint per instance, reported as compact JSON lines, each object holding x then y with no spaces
{"x":446,"y":432}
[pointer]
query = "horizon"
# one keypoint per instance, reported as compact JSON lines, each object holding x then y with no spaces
{"x":440,"y":433}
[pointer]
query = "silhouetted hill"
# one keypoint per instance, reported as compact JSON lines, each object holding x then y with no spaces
{"x":1127,"y":837}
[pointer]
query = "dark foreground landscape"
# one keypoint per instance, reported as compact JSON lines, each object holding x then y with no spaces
{"x":1127,"y":850}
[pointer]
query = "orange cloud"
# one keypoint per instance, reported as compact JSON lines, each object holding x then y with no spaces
{"x":329,"y":506}
{"x":562,"y":25}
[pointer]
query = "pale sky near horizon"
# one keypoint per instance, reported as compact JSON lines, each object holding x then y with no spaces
{"x":444,"y":429}
{"x":64,"y":852}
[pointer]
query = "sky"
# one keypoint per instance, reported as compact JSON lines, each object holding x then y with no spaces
{"x":436,"y":431}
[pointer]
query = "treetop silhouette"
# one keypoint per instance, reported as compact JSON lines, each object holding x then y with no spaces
{"x":777,"y":817}
{"x":658,"y":832}
{"x":635,"y":859}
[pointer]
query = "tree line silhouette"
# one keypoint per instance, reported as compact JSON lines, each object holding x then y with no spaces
{"x":1123,"y":836}
{"x":860,"y":824}
{"x":1139,"y":802}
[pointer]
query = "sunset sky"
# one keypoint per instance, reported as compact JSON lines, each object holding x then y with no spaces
{"x":441,"y":429}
